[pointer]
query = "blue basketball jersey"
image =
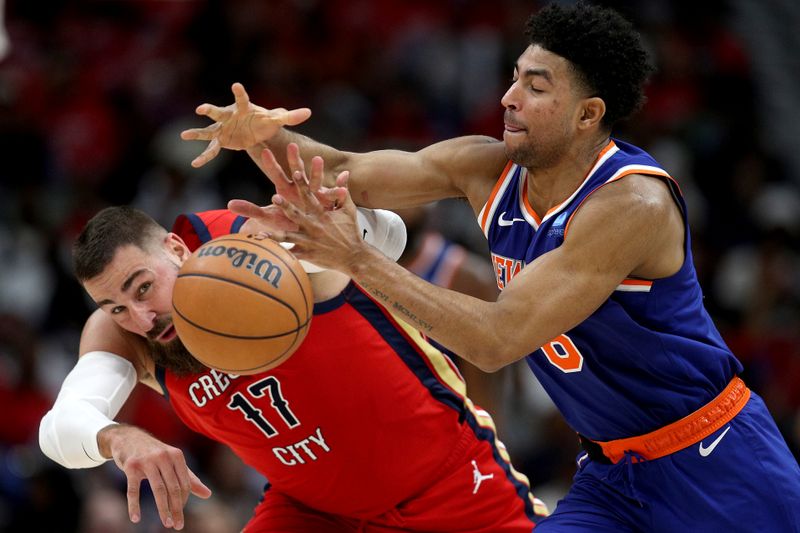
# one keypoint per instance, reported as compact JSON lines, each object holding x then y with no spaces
{"x":650,"y":354}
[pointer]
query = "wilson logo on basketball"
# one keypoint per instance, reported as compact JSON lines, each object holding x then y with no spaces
{"x":263,"y":268}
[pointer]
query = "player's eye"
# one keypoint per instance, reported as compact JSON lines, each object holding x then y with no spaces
{"x":143,"y":288}
{"x":117,"y":310}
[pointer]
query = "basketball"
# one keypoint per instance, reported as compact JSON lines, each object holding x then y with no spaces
{"x":242,"y":304}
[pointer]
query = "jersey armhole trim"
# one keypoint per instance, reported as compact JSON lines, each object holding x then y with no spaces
{"x":628,"y":172}
{"x":483,"y":216}
{"x":199,"y":227}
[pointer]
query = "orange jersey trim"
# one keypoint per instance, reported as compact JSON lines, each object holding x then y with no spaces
{"x":637,"y":170}
{"x":635,"y":285}
{"x":498,"y":184}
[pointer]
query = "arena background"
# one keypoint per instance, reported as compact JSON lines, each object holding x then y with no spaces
{"x":93,"y":95}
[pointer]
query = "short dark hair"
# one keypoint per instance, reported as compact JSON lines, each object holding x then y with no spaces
{"x":604,"y":49}
{"x":105,"y":233}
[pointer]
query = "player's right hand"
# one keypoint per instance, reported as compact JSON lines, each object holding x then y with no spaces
{"x":142,"y":456}
{"x":240,"y":125}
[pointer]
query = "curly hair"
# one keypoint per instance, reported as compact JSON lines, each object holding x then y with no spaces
{"x":604,"y":49}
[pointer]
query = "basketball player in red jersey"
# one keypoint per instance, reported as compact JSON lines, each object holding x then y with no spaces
{"x":365,"y":428}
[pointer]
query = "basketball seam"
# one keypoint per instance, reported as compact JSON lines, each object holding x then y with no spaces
{"x":245,"y":286}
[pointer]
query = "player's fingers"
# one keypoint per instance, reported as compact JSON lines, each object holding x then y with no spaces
{"x":134,"y":510}
{"x":291,"y":117}
{"x":160,"y":494}
{"x":245,"y":208}
{"x":273,"y":169}
{"x":343,"y":179}
{"x":175,"y":493}
{"x":201,"y":134}
{"x":242,"y":99}
{"x":347,"y":201}
{"x":305,"y":195}
{"x":198,"y":488}
{"x":317,"y":173}
{"x":213,"y":112}
{"x":340,"y":192}
{"x":182,"y":476}
{"x":211,"y":151}
{"x":327,"y":197}
{"x":194,"y":134}
{"x":296,"y":163}
{"x":291,"y":211}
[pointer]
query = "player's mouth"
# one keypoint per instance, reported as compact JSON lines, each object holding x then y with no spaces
{"x":513,"y":128}
{"x":168,"y":334}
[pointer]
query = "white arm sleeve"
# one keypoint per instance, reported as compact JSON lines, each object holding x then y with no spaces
{"x":90,"y":397}
{"x":384,"y":230}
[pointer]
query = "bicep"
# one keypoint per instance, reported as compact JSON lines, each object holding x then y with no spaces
{"x":462,"y":167}
{"x":101,"y":334}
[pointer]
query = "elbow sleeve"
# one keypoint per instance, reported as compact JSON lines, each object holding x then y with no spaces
{"x":384,"y":230}
{"x":90,"y":397}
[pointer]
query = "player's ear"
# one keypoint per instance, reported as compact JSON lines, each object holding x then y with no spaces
{"x":175,"y":246}
{"x":592,"y":112}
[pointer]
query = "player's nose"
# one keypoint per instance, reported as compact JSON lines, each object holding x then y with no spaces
{"x":509,"y":100}
{"x":143,"y":317}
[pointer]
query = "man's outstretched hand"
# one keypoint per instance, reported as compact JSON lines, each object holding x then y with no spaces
{"x":240,"y":125}
{"x":141,"y":456}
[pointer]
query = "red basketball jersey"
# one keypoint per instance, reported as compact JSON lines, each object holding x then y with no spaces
{"x":363,"y":398}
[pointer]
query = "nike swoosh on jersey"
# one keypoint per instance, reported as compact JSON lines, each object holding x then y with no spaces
{"x":706,"y":451}
{"x":503,"y":222}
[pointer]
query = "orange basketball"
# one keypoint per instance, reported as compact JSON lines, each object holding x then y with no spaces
{"x":242,"y":304}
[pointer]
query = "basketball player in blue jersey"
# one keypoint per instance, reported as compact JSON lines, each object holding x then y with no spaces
{"x":592,"y":251}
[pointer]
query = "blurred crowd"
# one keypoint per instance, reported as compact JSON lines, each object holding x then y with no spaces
{"x":93,"y":95}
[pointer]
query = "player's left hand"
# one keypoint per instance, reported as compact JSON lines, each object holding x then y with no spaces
{"x":240,"y":125}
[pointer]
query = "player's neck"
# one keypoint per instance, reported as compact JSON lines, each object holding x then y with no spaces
{"x":550,"y":186}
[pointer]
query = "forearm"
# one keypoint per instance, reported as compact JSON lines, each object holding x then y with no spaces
{"x":472,"y":328}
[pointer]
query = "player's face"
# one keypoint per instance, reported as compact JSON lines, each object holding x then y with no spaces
{"x":136,"y":290}
{"x":541,"y":109}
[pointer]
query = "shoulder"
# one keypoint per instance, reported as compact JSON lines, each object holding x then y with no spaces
{"x":637,"y":216}
{"x":100,"y":333}
{"x":645,"y":199}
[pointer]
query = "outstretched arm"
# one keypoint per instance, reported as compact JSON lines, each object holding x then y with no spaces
{"x":462,"y":167}
{"x":548,"y":297}
{"x":79,"y":431}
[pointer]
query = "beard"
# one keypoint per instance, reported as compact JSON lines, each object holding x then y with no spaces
{"x":539,"y":149}
{"x":172,"y":355}
{"x":535,"y":156}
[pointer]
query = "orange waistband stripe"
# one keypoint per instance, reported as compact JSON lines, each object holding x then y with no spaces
{"x":687,"y":431}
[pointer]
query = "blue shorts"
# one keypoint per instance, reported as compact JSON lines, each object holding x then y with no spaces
{"x":741,"y":478}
